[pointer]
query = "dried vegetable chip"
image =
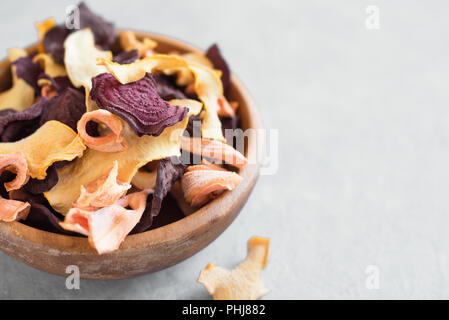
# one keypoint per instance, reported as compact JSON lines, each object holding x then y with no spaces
{"x":126,"y":57}
{"x":141,"y":150}
{"x":214,"y":55}
{"x":137,"y":103}
{"x":103,"y":191}
{"x":54,"y":42}
{"x":28,"y":70}
{"x":113,"y":141}
{"x":129,"y":41}
{"x":49,"y":65}
{"x":17,"y":164}
{"x":32,"y":114}
{"x":66,"y":107}
{"x":201,"y":186}
{"x":12,"y":210}
{"x":242,"y":283}
{"x":104,"y":33}
{"x":42,"y":29}
{"x":144,"y":179}
{"x":107,"y":227}
{"x":178,"y":195}
{"x":167,"y":89}
{"x":81,"y":58}
{"x":214,"y":149}
{"x":53,"y":141}
{"x":21,"y":94}
{"x":207,"y":84}
{"x":36,"y":187}
{"x":167,"y":174}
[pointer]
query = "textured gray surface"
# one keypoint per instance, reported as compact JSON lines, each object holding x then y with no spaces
{"x":364,"y":145}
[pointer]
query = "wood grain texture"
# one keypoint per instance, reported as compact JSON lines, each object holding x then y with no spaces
{"x":152,"y":250}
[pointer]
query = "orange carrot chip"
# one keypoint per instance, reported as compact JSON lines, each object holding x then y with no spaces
{"x":107,"y":227}
{"x":214,"y":149}
{"x":201,"y":186}
{"x":103,"y":191}
{"x":113,"y":141}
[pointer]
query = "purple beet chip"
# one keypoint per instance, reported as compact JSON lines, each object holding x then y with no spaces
{"x":54,"y":42}
{"x":167,"y":174}
{"x":66,"y":107}
{"x":103,"y":31}
{"x":35,"y":186}
{"x":126,"y":57}
{"x":167,"y":89}
{"x":137,"y":103}
{"x":29,"y":71}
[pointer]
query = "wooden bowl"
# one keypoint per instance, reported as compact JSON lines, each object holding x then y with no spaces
{"x":152,"y":250}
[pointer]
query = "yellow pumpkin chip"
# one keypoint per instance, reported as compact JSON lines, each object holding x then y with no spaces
{"x":144,"y":179}
{"x":21,"y":95}
{"x":129,"y":41}
{"x":53,"y":141}
{"x":141,"y":150}
{"x":242,"y":283}
{"x":207,"y":83}
{"x":50,"y":66}
{"x":42,"y":29}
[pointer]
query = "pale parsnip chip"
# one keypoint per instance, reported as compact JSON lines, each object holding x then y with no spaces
{"x":207,"y":84}
{"x":21,"y":95}
{"x":81,"y":56}
{"x":42,"y":29}
{"x":80,"y":60}
{"x":53,"y":141}
{"x":141,"y":150}
{"x":50,"y":66}
{"x":242,"y":283}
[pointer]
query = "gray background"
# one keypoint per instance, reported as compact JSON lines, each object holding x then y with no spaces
{"x":364,"y":145}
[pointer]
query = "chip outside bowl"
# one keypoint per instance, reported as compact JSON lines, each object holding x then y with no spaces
{"x":152,"y":250}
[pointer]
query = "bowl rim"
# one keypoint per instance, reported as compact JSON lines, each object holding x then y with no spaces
{"x":199,"y":221}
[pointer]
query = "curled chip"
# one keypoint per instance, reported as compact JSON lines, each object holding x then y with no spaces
{"x":141,"y":150}
{"x":113,"y":141}
{"x":53,"y":141}
{"x":242,"y":283}
{"x":207,"y":84}
{"x":17,"y":164}
{"x":214,"y":150}
{"x":107,"y":227}
{"x":202,"y":185}
{"x":21,"y":95}
{"x":12,"y":210}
